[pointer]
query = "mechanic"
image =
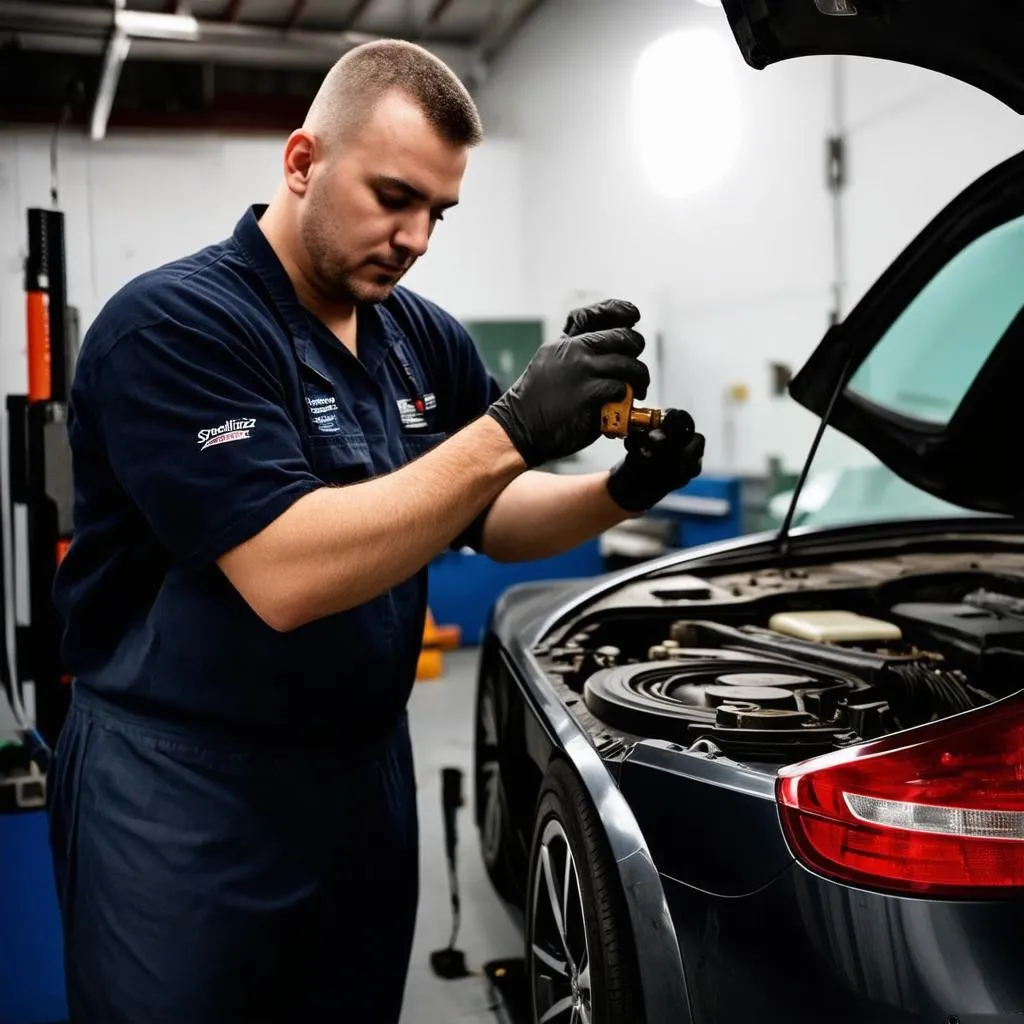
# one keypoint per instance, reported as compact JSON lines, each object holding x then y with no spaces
{"x":270,"y":441}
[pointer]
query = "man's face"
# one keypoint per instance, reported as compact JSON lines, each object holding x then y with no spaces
{"x":371,"y":209}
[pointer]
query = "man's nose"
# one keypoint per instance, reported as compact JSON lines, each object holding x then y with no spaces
{"x":413,"y":233}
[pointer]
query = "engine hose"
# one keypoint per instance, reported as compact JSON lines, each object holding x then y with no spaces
{"x":917,"y":693}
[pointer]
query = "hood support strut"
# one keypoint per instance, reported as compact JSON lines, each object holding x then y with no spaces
{"x":787,"y":524}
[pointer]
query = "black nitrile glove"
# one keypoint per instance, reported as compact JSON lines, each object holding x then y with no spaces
{"x":554,"y":408}
{"x":657,"y":462}
{"x":601,"y":316}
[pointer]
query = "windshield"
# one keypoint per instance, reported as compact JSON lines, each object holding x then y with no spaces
{"x":848,"y":485}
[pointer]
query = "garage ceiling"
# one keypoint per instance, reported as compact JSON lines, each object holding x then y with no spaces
{"x":250,"y":63}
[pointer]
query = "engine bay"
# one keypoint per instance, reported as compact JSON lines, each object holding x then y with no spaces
{"x":780,"y":665}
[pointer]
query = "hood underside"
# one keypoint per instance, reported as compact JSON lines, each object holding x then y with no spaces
{"x":977,"y":41}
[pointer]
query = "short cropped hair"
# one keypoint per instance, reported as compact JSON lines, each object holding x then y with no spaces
{"x":358,"y":81}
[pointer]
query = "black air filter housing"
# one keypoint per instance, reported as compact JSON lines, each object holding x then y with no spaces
{"x":965,"y":625}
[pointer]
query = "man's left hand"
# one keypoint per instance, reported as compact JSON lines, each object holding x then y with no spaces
{"x":657,"y":462}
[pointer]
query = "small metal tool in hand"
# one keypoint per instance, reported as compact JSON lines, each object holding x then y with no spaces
{"x":618,"y":419}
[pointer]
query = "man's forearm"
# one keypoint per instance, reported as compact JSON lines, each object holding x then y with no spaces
{"x":338,"y":547}
{"x":541,"y":514}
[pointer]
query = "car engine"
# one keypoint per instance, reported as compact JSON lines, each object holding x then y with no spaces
{"x":783,"y":665}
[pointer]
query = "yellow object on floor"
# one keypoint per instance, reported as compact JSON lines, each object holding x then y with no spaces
{"x":430,"y":664}
{"x":436,"y":639}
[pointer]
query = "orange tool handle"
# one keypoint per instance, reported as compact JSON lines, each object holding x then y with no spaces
{"x":37,"y":312}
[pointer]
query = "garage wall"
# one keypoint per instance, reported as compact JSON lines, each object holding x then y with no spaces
{"x":916,"y":140}
{"x":739,"y":275}
{"x":134,"y":201}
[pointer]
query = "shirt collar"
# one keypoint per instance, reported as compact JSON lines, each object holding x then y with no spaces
{"x":261,"y":257}
{"x":382,"y":333}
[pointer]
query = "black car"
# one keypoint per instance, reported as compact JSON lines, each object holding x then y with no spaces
{"x":782,"y":778}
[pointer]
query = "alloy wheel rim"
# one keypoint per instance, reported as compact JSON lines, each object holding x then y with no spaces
{"x":559,"y":954}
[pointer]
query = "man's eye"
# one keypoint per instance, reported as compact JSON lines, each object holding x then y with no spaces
{"x":392,"y":202}
{"x":436,"y":216}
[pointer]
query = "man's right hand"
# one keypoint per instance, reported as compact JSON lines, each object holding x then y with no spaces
{"x":554,"y":408}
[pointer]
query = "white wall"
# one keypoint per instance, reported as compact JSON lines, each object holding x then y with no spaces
{"x":136,"y":200}
{"x":740,"y":274}
{"x":131,"y":202}
{"x":916,"y":140}
{"x":476,"y":266}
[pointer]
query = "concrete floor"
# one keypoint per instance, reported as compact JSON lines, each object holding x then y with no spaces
{"x":441,"y":714}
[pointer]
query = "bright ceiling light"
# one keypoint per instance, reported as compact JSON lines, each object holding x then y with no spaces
{"x":686,"y":108}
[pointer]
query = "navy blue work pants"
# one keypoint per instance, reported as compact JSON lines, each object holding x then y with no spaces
{"x":202,"y":881}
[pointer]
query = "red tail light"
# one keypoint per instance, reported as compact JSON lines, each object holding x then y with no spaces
{"x":937,"y":810}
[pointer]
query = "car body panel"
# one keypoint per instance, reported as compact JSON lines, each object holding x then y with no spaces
{"x":732,"y":807}
{"x":981,"y":42}
{"x":661,"y":968}
{"x":848,"y":956}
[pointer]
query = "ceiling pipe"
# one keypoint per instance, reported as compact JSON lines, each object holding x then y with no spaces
{"x":116,"y":53}
{"x":269,"y":56}
{"x":59,"y":28}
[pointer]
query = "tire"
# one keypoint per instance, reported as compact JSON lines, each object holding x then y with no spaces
{"x":601,"y":984}
{"x":494,"y":821}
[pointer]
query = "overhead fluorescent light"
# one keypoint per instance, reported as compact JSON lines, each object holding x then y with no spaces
{"x":151,"y":25}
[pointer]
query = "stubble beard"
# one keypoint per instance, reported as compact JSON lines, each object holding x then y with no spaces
{"x":332,"y":276}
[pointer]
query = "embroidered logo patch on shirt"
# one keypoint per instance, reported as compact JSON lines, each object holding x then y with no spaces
{"x":323,"y":410}
{"x":231,"y":430}
{"x":412,"y":411}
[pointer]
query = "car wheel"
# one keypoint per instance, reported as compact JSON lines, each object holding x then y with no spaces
{"x":492,"y":813}
{"x":581,"y":963}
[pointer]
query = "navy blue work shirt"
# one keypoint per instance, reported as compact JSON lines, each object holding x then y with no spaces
{"x":207,"y":400}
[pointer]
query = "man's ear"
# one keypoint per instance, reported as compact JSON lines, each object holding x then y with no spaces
{"x":299,"y":155}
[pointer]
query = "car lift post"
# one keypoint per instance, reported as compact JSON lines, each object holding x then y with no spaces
{"x":39,"y":467}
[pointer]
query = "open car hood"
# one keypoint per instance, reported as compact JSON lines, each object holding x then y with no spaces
{"x":933,"y":354}
{"x":977,"y":41}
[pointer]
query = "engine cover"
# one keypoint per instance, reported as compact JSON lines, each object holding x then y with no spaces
{"x":747,"y":705}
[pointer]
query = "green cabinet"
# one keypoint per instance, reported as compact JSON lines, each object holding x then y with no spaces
{"x":506,"y":346}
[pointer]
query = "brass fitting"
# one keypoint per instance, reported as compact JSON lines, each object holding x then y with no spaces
{"x":621,"y":418}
